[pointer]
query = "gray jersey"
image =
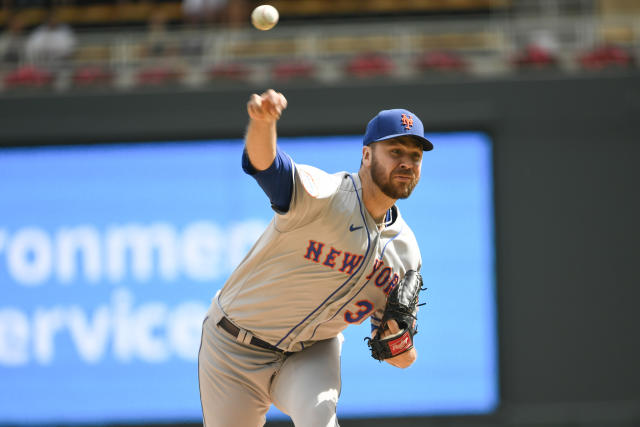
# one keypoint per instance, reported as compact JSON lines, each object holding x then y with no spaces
{"x":319,"y":267}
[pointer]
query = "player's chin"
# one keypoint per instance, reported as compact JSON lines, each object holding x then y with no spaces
{"x":404,"y":190}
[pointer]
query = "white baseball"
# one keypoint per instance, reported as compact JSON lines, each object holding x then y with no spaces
{"x":264,"y":17}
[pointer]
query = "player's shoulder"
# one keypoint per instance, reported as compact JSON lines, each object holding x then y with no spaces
{"x":317,"y":182}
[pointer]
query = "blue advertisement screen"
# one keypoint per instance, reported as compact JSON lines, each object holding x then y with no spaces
{"x":110,"y":255}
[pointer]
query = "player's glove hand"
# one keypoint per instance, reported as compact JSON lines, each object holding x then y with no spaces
{"x":402,"y":306}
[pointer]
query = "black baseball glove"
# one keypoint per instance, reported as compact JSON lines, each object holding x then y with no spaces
{"x":402,"y":306}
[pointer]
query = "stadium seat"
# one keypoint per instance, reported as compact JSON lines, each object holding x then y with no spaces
{"x":605,"y":57}
{"x":370,"y":65}
{"x":92,"y":75}
{"x":441,"y":61}
{"x":229,"y":71}
{"x":534,"y":56}
{"x":293,"y":70}
{"x":159,"y":75}
{"x":28,"y":76}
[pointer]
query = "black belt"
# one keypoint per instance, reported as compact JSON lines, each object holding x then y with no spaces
{"x":233,"y":330}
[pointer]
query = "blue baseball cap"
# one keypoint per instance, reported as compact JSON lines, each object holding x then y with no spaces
{"x":394,"y":123}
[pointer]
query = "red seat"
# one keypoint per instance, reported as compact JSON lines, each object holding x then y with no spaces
{"x":534,"y":56}
{"x":28,"y":76}
{"x":441,"y":61}
{"x":159,"y":75}
{"x":605,"y":56}
{"x":230,"y":71}
{"x":92,"y":75}
{"x":370,"y":65}
{"x":293,"y":70}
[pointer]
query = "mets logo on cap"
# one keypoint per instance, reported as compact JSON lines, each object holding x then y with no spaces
{"x":407,"y":121}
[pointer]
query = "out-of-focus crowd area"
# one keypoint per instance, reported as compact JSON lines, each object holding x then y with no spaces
{"x":77,"y":44}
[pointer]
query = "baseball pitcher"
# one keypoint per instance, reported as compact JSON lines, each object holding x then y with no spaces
{"x":337,"y":252}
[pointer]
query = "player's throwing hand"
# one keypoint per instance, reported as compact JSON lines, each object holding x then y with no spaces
{"x":266,"y":107}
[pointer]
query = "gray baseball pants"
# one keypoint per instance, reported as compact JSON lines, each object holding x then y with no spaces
{"x":239,"y":382}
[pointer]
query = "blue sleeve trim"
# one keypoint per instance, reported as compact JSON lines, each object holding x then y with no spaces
{"x":276,"y":181}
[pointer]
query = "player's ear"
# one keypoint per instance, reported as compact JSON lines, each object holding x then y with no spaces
{"x":366,"y":155}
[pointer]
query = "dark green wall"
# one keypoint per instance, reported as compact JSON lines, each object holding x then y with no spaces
{"x":567,"y":210}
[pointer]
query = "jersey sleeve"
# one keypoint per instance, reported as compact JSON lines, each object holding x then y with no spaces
{"x":276,"y":181}
{"x":313,"y":191}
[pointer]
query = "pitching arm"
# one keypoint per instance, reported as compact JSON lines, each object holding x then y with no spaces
{"x":260,"y":140}
{"x":262,"y":158}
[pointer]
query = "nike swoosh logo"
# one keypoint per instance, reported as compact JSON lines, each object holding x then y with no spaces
{"x":352,"y":228}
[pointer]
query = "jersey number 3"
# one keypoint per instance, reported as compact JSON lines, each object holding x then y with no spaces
{"x":365,"y":308}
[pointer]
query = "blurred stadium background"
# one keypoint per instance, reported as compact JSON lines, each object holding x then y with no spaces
{"x":129,"y":44}
{"x":555,"y":85}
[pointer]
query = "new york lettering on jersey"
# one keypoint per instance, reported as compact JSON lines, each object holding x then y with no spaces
{"x":367,"y":298}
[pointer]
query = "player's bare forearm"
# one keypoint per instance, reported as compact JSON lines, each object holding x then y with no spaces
{"x":260,"y":141}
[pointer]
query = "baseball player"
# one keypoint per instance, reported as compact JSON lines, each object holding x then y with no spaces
{"x":336,"y":252}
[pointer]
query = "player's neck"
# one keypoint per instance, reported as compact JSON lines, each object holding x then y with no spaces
{"x":375,"y":201}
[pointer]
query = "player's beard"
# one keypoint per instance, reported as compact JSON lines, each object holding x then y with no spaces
{"x":392,"y":189}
